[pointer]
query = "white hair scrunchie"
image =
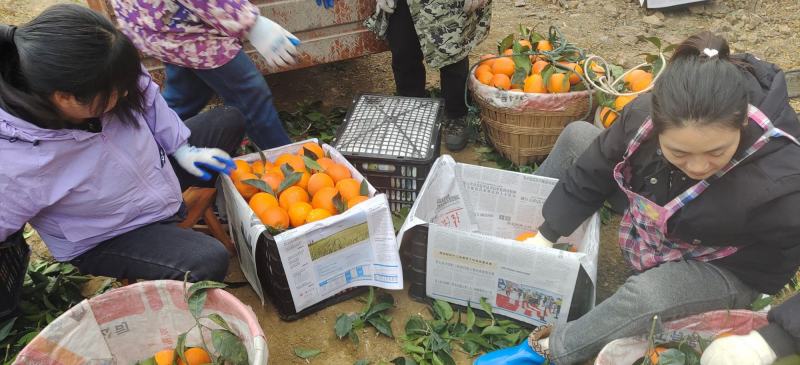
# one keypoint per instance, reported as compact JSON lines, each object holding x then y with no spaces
{"x":710,"y":52}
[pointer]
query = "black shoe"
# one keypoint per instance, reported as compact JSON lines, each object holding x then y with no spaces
{"x":456,"y":134}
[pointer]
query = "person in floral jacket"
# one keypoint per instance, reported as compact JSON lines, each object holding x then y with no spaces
{"x":200,"y":43}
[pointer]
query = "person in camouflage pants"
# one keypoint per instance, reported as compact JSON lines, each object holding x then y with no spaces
{"x":442,"y":33}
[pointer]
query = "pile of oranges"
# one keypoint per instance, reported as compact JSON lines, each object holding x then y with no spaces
{"x":635,"y":81}
{"x":299,"y":188}
{"x":193,"y":355}
{"x":544,"y":77}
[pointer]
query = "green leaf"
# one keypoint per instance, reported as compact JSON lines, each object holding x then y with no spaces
{"x":148,"y":361}
{"x":290,"y":180}
{"x":361,"y":362}
{"x":307,"y":153}
{"x":6,"y":327}
{"x":260,"y":184}
{"x":789,"y":360}
{"x":204,"y":285}
{"x":445,"y":358}
{"x":229,"y":347}
{"x":616,"y":70}
{"x":377,"y":308}
{"x":436,"y":343}
{"x":470,"y":318}
{"x":654,"y":40}
{"x":305,"y":353}
{"x":416,"y":325}
{"x":196,"y":302}
{"x":339,"y":203}
{"x":443,"y":310}
{"x":24,"y":340}
{"x":353,"y":337}
{"x":487,"y":308}
{"x":364,"y":190}
{"x":370,"y":300}
{"x":493,"y":330}
{"x":216,"y":318}
{"x":343,"y":326}
{"x":180,"y":347}
{"x":382,"y":326}
{"x":672,"y":357}
{"x":547,"y":71}
{"x":761,"y":303}
{"x":311,"y":164}
{"x":669,"y":48}
{"x":403,"y":361}
{"x":410,"y":348}
{"x":505,"y":44}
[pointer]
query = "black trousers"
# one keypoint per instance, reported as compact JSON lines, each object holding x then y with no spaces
{"x":162,"y":250}
{"x":409,"y":69}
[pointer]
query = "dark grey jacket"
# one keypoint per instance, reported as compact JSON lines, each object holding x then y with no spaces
{"x":783,"y":331}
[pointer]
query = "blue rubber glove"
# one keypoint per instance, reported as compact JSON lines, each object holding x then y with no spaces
{"x":202,"y":162}
{"x":521,"y":354}
{"x":326,"y":3}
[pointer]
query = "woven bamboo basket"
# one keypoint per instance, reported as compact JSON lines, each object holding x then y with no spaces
{"x":524,"y":127}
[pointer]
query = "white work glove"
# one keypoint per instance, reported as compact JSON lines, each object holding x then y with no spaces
{"x":472,"y":5}
{"x":201,"y":162}
{"x":750,"y":349}
{"x":538,"y":240}
{"x":273,"y":42}
{"x":386,"y":5}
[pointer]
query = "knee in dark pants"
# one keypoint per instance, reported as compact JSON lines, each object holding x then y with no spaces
{"x":230,"y":119}
{"x":209,"y":262}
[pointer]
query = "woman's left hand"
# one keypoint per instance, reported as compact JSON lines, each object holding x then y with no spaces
{"x":201,"y":162}
{"x":472,"y":5}
{"x":273,"y":42}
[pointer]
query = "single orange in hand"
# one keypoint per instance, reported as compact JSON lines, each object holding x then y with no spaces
{"x":317,"y":215}
{"x":298,"y":212}
{"x":534,"y":84}
{"x":501,"y":82}
{"x":295,"y":161}
{"x":243,"y":166}
{"x":246,"y":190}
{"x":319,"y":181}
{"x":275,"y":217}
{"x":313,"y":147}
{"x":164,"y":357}
{"x":323,"y":199}
{"x":261,"y":201}
{"x":525,"y":235}
{"x":338,"y":172}
{"x":355,"y":200}
{"x":503,"y":66}
{"x":195,"y":356}
{"x":291,"y":195}
{"x":558,"y":83}
{"x":348,"y":188}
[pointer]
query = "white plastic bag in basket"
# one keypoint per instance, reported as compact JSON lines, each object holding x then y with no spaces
{"x":132,"y":323}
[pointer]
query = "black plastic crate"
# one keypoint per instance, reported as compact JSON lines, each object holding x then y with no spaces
{"x":414,"y":255}
{"x":275,"y":286}
{"x":14,"y":256}
{"x":393,"y":141}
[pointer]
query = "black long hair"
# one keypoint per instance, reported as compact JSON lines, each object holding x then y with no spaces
{"x":72,"y":49}
{"x":701,"y":84}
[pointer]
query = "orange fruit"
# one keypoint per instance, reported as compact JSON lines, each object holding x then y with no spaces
{"x":348,"y":188}
{"x":485,"y":77}
{"x":243,"y":166}
{"x":246,"y":190}
{"x":655,"y":354}
{"x":544,"y":46}
{"x":635,"y":74}
{"x":607,"y":116}
{"x":317,"y":215}
{"x":558,"y":83}
{"x":261,"y":201}
{"x":503,"y":66}
{"x":355,"y":200}
{"x":195,"y":356}
{"x":165,"y":357}
{"x":319,"y":181}
{"x":508,"y":52}
{"x":501,"y":81}
{"x":482,"y":68}
{"x":526,"y":43}
{"x":534,"y":84}
{"x":291,"y":195}
{"x":275,"y":169}
{"x":641,"y":82}
{"x":538,"y":66}
{"x":275,"y":217}
{"x":323,"y":199}
{"x":338,"y":172}
{"x":623,"y":100}
{"x":257,"y":167}
{"x":325,"y":163}
{"x":487,"y":59}
{"x":597,"y":69}
{"x":525,"y":235}
{"x":273,"y":179}
{"x":303,"y":182}
{"x":574,"y":78}
{"x":313,"y":147}
{"x":295,"y":161}
{"x":298,"y":213}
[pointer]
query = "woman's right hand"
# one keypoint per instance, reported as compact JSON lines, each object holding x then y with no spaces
{"x":273,"y":42}
{"x":386,"y":5}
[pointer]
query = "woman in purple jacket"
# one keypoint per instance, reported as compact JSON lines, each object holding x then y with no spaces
{"x":89,"y":146}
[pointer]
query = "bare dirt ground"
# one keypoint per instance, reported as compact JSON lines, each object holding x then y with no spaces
{"x":608,"y":28}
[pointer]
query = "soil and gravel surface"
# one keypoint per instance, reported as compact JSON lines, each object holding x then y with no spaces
{"x":608,"y":28}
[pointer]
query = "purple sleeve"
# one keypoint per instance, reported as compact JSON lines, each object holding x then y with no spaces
{"x":232,"y":17}
{"x":16,"y":208}
{"x":168,"y":129}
